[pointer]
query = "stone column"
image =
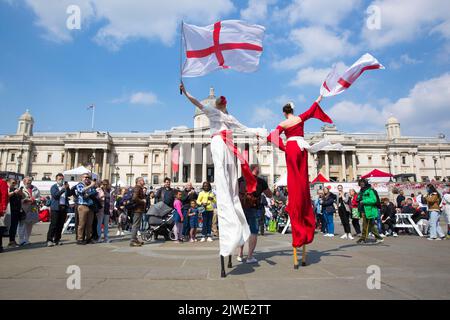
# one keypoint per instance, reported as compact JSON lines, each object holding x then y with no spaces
{"x":26,"y":162}
{"x":66,"y":156}
{"x":399,"y":165}
{"x":272,"y":166}
{"x":354,"y":165}
{"x":344,"y":167}
{"x":416,"y":166}
{"x":1,"y":157}
{"x":75,"y":165}
{"x":239,"y":169}
{"x":250,"y":153}
{"x":443,"y":169}
{"x":204,"y":162}
{"x":169,"y":161}
{"x":150,"y":167}
{"x":192,"y":163}
{"x":105,"y":164}
{"x":180,"y":164}
{"x":411,"y":163}
{"x":327,"y":165}
{"x":6,"y":160}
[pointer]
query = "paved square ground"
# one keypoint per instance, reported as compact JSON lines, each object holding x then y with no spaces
{"x":411,"y":268}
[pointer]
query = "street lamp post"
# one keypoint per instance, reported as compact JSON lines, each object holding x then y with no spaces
{"x":389,"y":160}
{"x":19,"y":163}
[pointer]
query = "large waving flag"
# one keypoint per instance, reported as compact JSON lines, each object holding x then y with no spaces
{"x":336,"y":83}
{"x":226,"y":44}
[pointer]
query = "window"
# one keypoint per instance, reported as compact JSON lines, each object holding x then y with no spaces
{"x":383,"y":159}
{"x":156,"y":158}
{"x":369,"y":158}
{"x":34,"y":175}
{"x":423,"y":162}
{"x":116,"y":158}
{"x":13,"y":157}
{"x":146,"y":159}
{"x":130,"y":179}
{"x":155,"y":179}
{"x":47,"y":176}
{"x":62,"y":157}
{"x":425,"y":179}
{"x":35,"y":158}
{"x":403,"y":160}
{"x":145,"y":176}
{"x":49,"y":158}
{"x":130,"y":159}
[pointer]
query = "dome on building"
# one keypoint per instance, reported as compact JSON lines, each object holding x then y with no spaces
{"x":26,"y":116}
{"x":392,"y":120}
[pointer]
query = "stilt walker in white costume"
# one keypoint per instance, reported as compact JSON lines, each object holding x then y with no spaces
{"x":234,"y":230}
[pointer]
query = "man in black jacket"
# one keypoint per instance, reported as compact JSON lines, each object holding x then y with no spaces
{"x":166,"y":193}
{"x":15,"y":202}
{"x":59,"y":204}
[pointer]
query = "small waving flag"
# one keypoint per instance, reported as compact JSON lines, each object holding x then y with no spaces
{"x":336,"y":83}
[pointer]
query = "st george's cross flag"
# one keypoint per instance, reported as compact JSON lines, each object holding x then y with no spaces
{"x":228,"y":44}
{"x":336,"y":82}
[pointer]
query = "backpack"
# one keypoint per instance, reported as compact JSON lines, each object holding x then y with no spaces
{"x":248,"y":200}
{"x":378,"y":203}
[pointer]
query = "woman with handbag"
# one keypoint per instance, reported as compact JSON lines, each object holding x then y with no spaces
{"x":353,"y":203}
{"x":30,"y":211}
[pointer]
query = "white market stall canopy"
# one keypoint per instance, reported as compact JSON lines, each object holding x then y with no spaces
{"x":77,"y":173}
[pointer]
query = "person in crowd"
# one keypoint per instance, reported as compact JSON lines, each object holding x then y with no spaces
{"x":59,"y":203}
{"x":30,"y":209}
{"x":4,"y":199}
{"x":279,"y":198}
{"x":420,"y":218}
{"x":421,"y":201}
{"x":15,"y":202}
{"x":356,"y":216}
{"x":318,"y":211}
{"x":187,"y":196}
{"x":44,"y":210}
{"x":206,"y":199}
{"x":343,"y":200}
{"x":121,"y":214}
{"x":192,"y":215}
{"x":433,"y":199}
{"x":139,"y":203}
{"x":251,"y":203}
{"x":106,"y":198}
{"x":367,"y":199}
{"x":388,"y":218}
{"x":408,"y":206}
{"x":166,"y":193}
{"x":445,"y":204}
{"x":85,"y":191}
{"x":178,"y":217}
{"x":328,"y":209}
{"x":400,"y":198}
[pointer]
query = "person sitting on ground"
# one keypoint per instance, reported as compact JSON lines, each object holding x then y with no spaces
{"x":388,"y":217}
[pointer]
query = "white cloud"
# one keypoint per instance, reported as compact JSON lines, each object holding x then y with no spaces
{"x":316,"y":44}
{"x":263,"y":116}
{"x":141,"y":97}
{"x":425,"y":111}
{"x":126,"y":20}
{"x":147,"y":98}
{"x":317,"y":12}
{"x":313,"y":76}
{"x":403,"y":60}
{"x":256,"y":10}
{"x":405,"y":20}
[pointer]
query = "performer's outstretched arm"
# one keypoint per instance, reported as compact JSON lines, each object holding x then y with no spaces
{"x":191,"y":98}
{"x":275,"y":138}
{"x":315,"y":111}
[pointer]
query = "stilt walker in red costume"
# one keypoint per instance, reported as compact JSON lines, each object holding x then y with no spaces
{"x":299,"y":200}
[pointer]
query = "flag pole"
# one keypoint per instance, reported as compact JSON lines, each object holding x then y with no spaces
{"x":181,"y":55}
{"x":93,"y":116}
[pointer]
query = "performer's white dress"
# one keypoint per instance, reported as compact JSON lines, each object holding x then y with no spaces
{"x":233,"y":227}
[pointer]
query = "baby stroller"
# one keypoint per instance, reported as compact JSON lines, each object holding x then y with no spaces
{"x":160,"y":223}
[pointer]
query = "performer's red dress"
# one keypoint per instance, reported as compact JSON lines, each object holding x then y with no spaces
{"x":299,"y":205}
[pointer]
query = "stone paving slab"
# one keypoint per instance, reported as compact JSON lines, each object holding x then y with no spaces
{"x":411,"y":268}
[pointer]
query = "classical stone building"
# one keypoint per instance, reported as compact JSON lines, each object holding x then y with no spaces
{"x":124,"y":156}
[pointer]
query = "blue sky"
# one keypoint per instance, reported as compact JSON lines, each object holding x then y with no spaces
{"x":125,"y":60}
